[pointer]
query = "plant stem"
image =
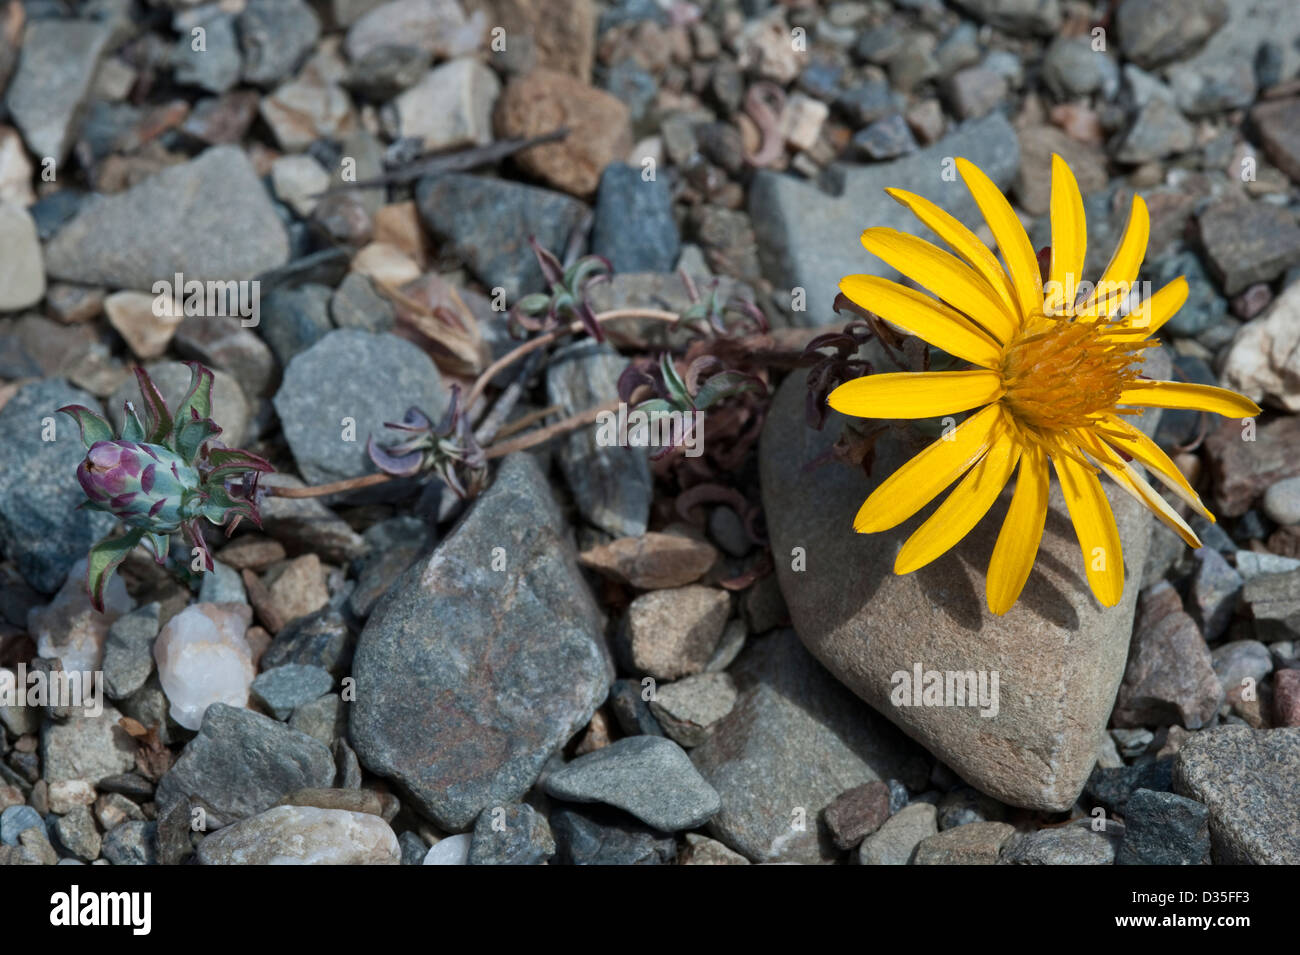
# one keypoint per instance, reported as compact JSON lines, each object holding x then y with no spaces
{"x":542,"y":435}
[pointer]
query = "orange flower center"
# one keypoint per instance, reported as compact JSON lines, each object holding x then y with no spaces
{"x":1061,"y":373}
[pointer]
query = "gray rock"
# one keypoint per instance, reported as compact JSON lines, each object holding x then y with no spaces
{"x":1273,"y":602}
{"x":687,"y":709}
{"x":794,"y":741}
{"x":284,"y":688}
{"x":623,"y":198}
{"x":413,"y":848}
{"x":611,"y":485}
{"x":1071,"y":67}
{"x":1164,"y":829}
{"x":209,"y":219}
{"x":1282,"y":501}
{"x":467,"y":677}
{"x":86,"y":747}
{"x":324,"y":449}
{"x":128,"y":651}
{"x":809,"y":240}
{"x":1061,"y":845}
{"x":1251,"y":565}
{"x":511,"y":835}
{"x":54,"y":77}
{"x":886,"y":138}
{"x":895,"y":842}
{"x":979,"y":843}
{"x":628,"y":700}
{"x":965,"y":805}
{"x":1152,"y":32}
{"x":294,"y":319}
{"x":1204,"y":307}
{"x":648,"y":776}
{"x":217,"y":66}
{"x":1215,"y":588}
{"x":323,"y":718}
{"x":131,"y":843}
{"x":17,"y":819}
{"x":41,"y":529}
{"x":701,"y":850}
{"x":597,"y":835}
{"x":1112,"y":788}
{"x":22,"y":274}
{"x":975,"y":91}
{"x":222,"y":584}
{"x":1157,"y":131}
{"x":865,"y":623}
{"x":228,"y":346}
{"x":487,"y":223}
{"x":275,"y":36}
{"x":356,"y":304}
{"x":1170,"y":677}
{"x":1250,"y":780}
{"x":395,"y":544}
{"x":1240,"y":660}
{"x":1017,"y":16}
{"x":868,"y":102}
{"x":76,"y":833}
{"x":303,"y":835}
{"x":242,"y":763}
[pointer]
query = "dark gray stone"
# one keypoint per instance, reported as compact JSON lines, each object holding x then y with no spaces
{"x":1112,"y":788}
{"x":56,"y":71}
{"x":217,"y":66}
{"x":131,"y":843}
{"x":1164,"y":829}
{"x":275,"y":35}
{"x":394,"y":545}
{"x":354,"y":363}
{"x":1152,"y":32}
{"x":76,"y":833}
{"x":469,"y":677}
{"x":294,"y":319}
{"x":634,"y":226}
{"x":648,"y":776}
{"x":597,"y":835}
{"x":128,"y":651}
{"x":41,"y":529}
{"x":17,"y":819}
{"x":487,"y":223}
{"x":209,"y":219}
{"x":886,"y":138}
{"x":356,"y":304}
{"x":1016,"y":16}
{"x":322,"y":639}
{"x":1061,"y":845}
{"x":632,"y":710}
{"x":1250,"y":780}
{"x":242,"y":763}
{"x":612,"y":485}
{"x":282,"y":689}
{"x":1249,"y":242}
{"x":511,"y":835}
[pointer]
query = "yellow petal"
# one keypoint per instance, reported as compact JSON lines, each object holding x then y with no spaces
{"x":921,"y":394}
{"x":1127,"y":477}
{"x":946,"y":276}
{"x":963,"y":241}
{"x":924,"y":317}
{"x":1117,"y":281}
{"x":1159,"y":308}
{"x":1183,"y":394}
{"x":918,"y":481}
{"x":1013,"y":555}
{"x":962,"y":509}
{"x":1069,"y":240}
{"x":1095,"y":527}
{"x":1142,"y":449}
{"x":1022,"y":263}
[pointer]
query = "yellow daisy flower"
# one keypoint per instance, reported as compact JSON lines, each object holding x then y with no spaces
{"x":1056,"y":370}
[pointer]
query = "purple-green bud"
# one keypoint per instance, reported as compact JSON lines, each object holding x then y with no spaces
{"x":145,"y":485}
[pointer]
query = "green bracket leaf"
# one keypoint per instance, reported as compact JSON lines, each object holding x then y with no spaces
{"x":103,"y":560}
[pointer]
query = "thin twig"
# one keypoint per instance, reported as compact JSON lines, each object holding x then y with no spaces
{"x":542,"y":435}
{"x":335,"y":487}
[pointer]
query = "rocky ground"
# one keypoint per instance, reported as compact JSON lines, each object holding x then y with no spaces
{"x":604,"y":659}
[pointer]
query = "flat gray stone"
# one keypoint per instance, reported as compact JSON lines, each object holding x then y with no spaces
{"x":242,"y":763}
{"x":209,"y":219}
{"x":56,"y":69}
{"x":649,"y":776}
{"x":128,"y":651}
{"x":468,"y":677}
{"x":895,"y":842}
{"x":354,"y":363}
